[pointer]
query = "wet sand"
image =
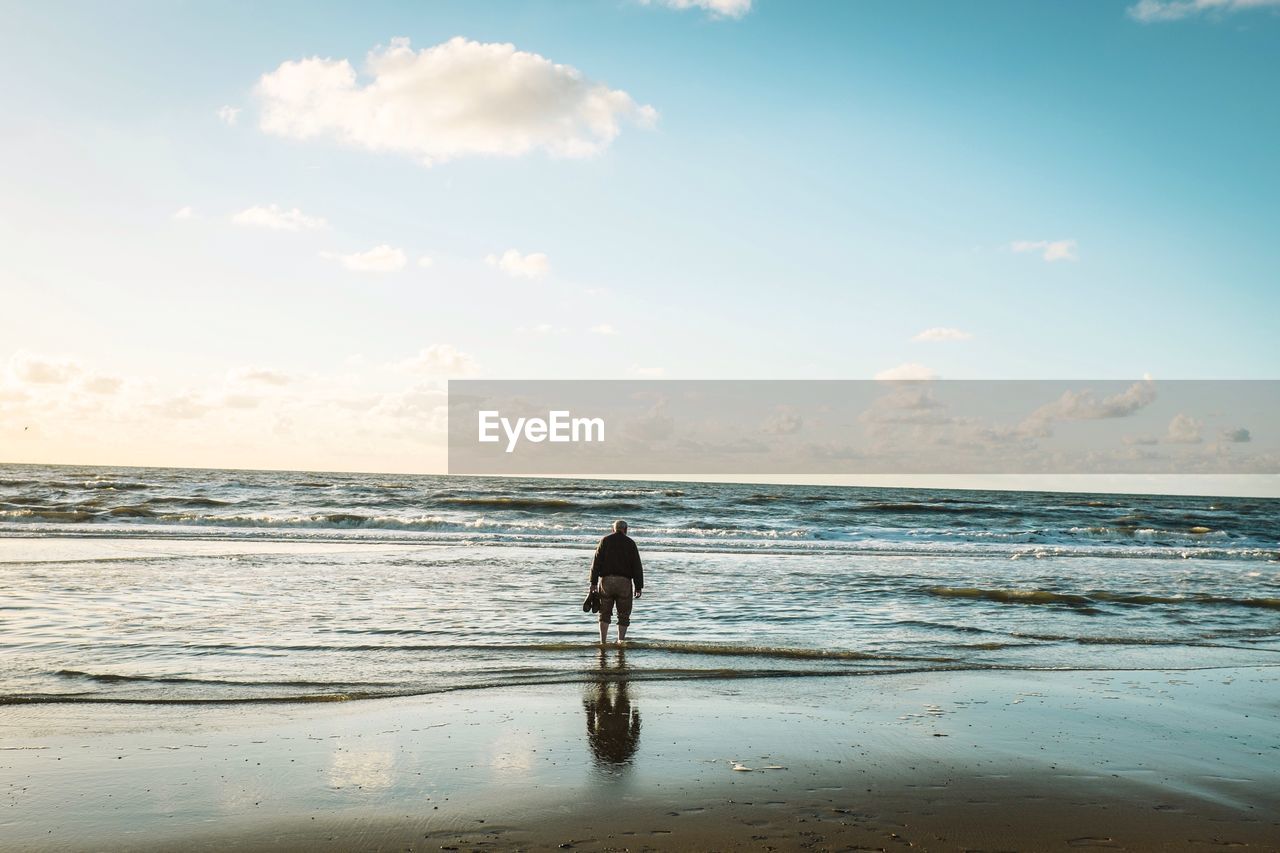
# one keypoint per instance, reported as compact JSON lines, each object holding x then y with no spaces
{"x":1150,"y":760}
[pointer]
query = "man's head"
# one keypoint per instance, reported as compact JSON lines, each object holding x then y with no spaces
{"x":619,"y":526}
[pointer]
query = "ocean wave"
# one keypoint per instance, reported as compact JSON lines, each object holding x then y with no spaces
{"x":1143,"y":598}
{"x":528,"y":504}
{"x":912,"y":507}
{"x":122,"y":678}
{"x":102,"y":699}
{"x":16,"y":501}
{"x":583,"y":676}
{"x":1094,"y":597}
{"x":566,"y":532}
{"x":675,"y":647}
{"x":1011,"y":596}
{"x":38,"y":514}
{"x":1108,"y":641}
{"x":324,"y":520}
{"x":1190,"y":534}
{"x":680,"y":647}
{"x":109,"y":485}
{"x":202,"y":502}
{"x":128,"y":512}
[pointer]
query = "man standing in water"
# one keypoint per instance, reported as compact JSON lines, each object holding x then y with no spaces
{"x":615,"y":569}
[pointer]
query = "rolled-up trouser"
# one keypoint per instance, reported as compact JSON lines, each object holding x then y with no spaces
{"x":615,"y":589}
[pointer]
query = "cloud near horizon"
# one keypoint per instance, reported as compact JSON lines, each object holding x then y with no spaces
{"x":276,"y":218}
{"x":1158,"y":11}
{"x":359,"y":416}
{"x":262,"y":375}
{"x":1049,"y":250}
{"x":1240,"y":435}
{"x":1184,"y":429}
{"x":455,"y":99}
{"x":439,"y":360}
{"x":517,"y":265}
{"x":1085,"y":405}
{"x":383,"y":258}
{"x":28,"y":367}
{"x":910,"y":370}
{"x":939,"y":333}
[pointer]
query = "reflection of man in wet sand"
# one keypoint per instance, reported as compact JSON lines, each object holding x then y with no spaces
{"x":613,"y":723}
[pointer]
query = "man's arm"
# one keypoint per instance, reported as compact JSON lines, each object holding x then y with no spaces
{"x":637,"y":570}
{"x":595,"y":566}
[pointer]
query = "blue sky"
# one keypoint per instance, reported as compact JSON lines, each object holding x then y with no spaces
{"x":823,"y":182}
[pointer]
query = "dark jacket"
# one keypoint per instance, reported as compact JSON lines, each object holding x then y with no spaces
{"x":617,"y":554}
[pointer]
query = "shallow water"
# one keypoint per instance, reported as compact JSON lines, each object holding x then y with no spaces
{"x":169,"y":585}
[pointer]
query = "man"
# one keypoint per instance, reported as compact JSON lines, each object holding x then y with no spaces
{"x":614,"y":571}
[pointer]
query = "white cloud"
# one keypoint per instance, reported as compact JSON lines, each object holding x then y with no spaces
{"x":426,"y":261}
{"x":1184,"y":429}
{"x":277,"y":218}
{"x":910,"y":370}
{"x":99,"y":384}
{"x":229,"y":114}
{"x":511,"y":262}
{"x":455,"y":99}
{"x":418,"y":410}
{"x":439,"y":360}
{"x":382,"y":258}
{"x":1154,"y":11}
{"x":1086,"y":406}
{"x":184,"y":213}
{"x":939,"y":333}
{"x":261,"y":375}
{"x":184,"y":406}
{"x":716,"y":8}
{"x":1237,"y":436}
{"x":1050,"y":250}
{"x":30,"y":368}
{"x":358,"y":418}
{"x":783,"y":423}
{"x":604,"y":329}
{"x":542,"y":330}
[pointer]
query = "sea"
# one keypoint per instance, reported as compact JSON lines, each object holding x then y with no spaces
{"x":149,"y":585}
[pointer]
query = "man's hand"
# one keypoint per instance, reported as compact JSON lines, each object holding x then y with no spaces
{"x":639,"y":592}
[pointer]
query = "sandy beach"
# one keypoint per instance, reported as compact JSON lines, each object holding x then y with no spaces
{"x":1183,"y":760}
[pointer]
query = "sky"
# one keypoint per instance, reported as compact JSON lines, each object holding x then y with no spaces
{"x":264,"y":235}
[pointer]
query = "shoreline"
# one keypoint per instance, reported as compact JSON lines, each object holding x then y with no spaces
{"x":1121,"y":759}
{"x":579,"y":680}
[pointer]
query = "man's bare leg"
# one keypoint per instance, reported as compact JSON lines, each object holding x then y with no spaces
{"x":604,"y":633}
{"x":622,"y":633}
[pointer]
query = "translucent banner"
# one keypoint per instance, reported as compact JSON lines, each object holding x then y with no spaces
{"x":784,"y":427}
